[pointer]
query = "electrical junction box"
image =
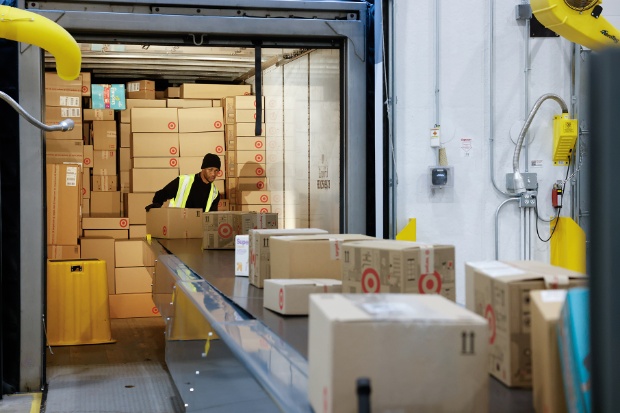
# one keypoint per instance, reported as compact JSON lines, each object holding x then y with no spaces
{"x":529,"y":179}
{"x":565,"y":133}
{"x":441,"y":176}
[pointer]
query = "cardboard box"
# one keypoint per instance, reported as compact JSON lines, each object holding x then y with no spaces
{"x":104,"y":163}
{"x":242,"y":129}
{"x":140,"y":103}
{"x":156,"y":163}
{"x":132,"y":306}
{"x":233,"y":103}
{"x":103,"y":249}
{"x":243,"y":157}
{"x":141,"y":89}
{"x":201,"y":120}
{"x":133,"y":280}
{"x":104,"y":135}
{"x":56,"y":114}
{"x":124,"y":159}
{"x":151,"y":180}
{"x":129,"y":253}
{"x":86,"y":207}
{"x":223,"y":205}
{"x":125,"y":181}
{"x":388,"y":266}
{"x":63,"y":252}
{"x":173,"y":92}
{"x":265,"y":208}
{"x":105,"y":183}
{"x":260,"y":253}
{"x":310,"y":256}
{"x":105,"y":223}
{"x":292,"y":297}
{"x":154,"y":145}
{"x":213,"y":91}
{"x":59,"y":92}
{"x":499,"y":291}
{"x":86,"y":184}
{"x":220,"y":228}
{"x":189,"y":165}
{"x":154,"y":120}
{"x":189,"y":103}
{"x":125,"y":135}
{"x":87,"y":160}
{"x":248,"y":115}
{"x":106,"y":233}
{"x":253,"y":197}
{"x":108,"y":97}
{"x":98,"y":114}
{"x":574,"y":347}
{"x":134,"y":206}
{"x":201,"y":143}
{"x":248,"y":143}
{"x":420,"y":351}
{"x":64,"y":201}
{"x":247,"y":170}
{"x":242,"y":255}
{"x":59,"y":151}
{"x":548,"y":391}
{"x":105,"y":204}
{"x":174,"y":223}
{"x":86,"y":81}
{"x":137,"y":231}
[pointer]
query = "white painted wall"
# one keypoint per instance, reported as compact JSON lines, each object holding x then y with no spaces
{"x":464,"y":215}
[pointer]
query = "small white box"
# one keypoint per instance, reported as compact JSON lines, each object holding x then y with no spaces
{"x":292,"y":296}
{"x":242,"y":255}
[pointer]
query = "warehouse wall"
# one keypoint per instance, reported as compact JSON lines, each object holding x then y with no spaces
{"x":464,"y":215}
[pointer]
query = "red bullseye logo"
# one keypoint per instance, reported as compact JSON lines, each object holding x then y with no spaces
{"x":217,"y":124}
{"x":123,"y":223}
{"x":264,"y":210}
{"x":370,"y":281}
{"x":264,"y":198}
{"x":258,"y":158}
{"x":173,"y":150}
{"x":254,"y":103}
{"x":155,"y":310}
{"x":172,"y":125}
{"x":246,"y":93}
{"x":225,"y":230}
{"x":489,"y":314}
{"x":281,"y":298}
{"x":254,"y":115}
{"x":219,"y":174}
{"x":258,"y":144}
{"x":219,"y":149}
{"x":86,"y":161}
{"x":259,"y":171}
{"x":429,"y":283}
{"x":84,"y":89}
{"x":260,"y":185}
{"x":173,"y":162}
{"x":164,"y":230}
{"x":83,"y":191}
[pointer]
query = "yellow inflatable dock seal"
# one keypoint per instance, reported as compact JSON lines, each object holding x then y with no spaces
{"x":27,"y":27}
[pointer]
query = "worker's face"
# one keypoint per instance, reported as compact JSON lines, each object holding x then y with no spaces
{"x":210,"y":174}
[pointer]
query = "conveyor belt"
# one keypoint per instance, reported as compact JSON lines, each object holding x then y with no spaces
{"x":216,"y":267}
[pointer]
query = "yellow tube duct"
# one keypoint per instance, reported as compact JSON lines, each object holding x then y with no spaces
{"x":574,"y":20}
{"x":27,"y":27}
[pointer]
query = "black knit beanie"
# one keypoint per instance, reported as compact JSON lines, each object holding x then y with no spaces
{"x":211,"y":161}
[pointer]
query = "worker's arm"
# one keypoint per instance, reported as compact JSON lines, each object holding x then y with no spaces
{"x":167,"y":192}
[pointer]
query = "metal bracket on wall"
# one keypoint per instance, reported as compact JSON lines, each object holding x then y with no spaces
{"x":538,"y":30}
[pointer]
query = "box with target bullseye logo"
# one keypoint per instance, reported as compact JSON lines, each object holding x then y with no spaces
{"x":174,"y":223}
{"x":500,"y":292}
{"x":260,"y":255}
{"x":421,"y":353}
{"x":292,"y":297}
{"x":385,"y":266}
{"x":220,"y":228}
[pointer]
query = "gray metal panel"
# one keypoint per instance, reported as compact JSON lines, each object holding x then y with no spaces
{"x":32,"y":221}
{"x":353,"y":189}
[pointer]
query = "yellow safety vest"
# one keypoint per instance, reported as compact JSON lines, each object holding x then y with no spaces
{"x":185,"y":184}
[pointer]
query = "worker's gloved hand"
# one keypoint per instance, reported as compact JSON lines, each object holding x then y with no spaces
{"x":153,"y":205}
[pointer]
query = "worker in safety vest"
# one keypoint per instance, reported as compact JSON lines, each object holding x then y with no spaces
{"x":192,"y":191}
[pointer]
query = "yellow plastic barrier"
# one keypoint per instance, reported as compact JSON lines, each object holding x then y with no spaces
{"x":27,"y":27}
{"x":568,"y":245}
